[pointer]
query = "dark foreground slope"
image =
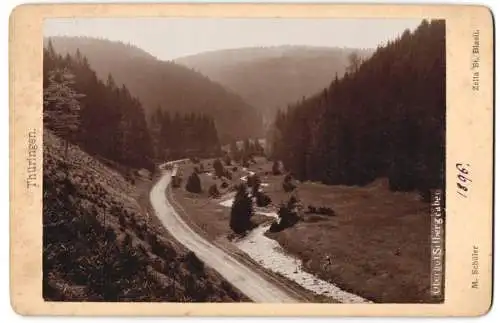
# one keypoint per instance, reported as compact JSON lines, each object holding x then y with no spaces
{"x":101,"y":245}
{"x":165,"y":84}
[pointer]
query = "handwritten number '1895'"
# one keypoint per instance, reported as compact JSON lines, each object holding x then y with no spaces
{"x":463,"y":179}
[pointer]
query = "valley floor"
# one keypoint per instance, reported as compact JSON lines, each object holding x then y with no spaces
{"x":376,"y":246}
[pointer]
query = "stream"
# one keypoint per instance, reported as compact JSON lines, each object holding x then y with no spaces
{"x":269,"y":254}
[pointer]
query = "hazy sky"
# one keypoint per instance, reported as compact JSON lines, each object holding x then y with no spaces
{"x":169,"y":38}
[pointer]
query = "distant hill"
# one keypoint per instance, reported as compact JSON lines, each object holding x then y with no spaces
{"x":164,"y":83}
{"x":269,"y":78}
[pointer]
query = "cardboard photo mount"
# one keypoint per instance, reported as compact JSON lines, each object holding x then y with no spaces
{"x":469,"y":141}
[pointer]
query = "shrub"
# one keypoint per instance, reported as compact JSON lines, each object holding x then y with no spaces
{"x":311,"y":209}
{"x":287,"y":218}
{"x":262,"y":200}
{"x":288,"y":186}
{"x":224,"y":185}
{"x":254,"y":182}
{"x":241,"y":211}
{"x":245,"y":163}
{"x":292,"y":202}
{"x":328,"y":211}
{"x":193,"y":184}
{"x":218,"y":168}
{"x":227,"y":160}
{"x":213,"y":191}
{"x":235,"y":169}
{"x":276,"y":168}
{"x":176,"y":181}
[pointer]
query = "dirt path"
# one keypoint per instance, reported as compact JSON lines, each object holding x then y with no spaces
{"x":242,"y":277}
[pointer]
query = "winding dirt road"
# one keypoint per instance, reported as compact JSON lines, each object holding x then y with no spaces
{"x":241,"y":276}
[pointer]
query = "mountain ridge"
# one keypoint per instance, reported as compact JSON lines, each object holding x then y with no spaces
{"x":270,"y":78}
{"x":166,"y":84}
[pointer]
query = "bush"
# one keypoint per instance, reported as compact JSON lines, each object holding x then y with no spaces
{"x":287,"y":218}
{"x":235,"y":169}
{"x":262,"y":200}
{"x":292,"y":202}
{"x":245,"y":163}
{"x":241,"y":211}
{"x":276,"y":168}
{"x":218,"y":168}
{"x":224,"y":185}
{"x":213,"y":191}
{"x":227,"y":160}
{"x":193,"y":184}
{"x":288,"y":215}
{"x":254,"y":182}
{"x":328,"y":211}
{"x":288,"y":186}
{"x":311,"y":209}
{"x":176,"y":181}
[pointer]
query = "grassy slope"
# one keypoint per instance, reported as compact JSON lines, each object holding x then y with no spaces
{"x":100,"y":244}
{"x":378,"y":242}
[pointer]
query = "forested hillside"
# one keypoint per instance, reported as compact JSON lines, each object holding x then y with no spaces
{"x":165,"y":84}
{"x":107,"y":120}
{"x":100,"y":116}
{"x":271,"y":77}
{"x":385,"y":118}
{"x":99,"y":244}
{"x":179,"y":136}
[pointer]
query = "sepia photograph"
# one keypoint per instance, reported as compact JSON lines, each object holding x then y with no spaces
{"x":264,"y":160}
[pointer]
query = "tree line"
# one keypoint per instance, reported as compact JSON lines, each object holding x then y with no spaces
{"x":177,"y":136}
{"x":105,"y":119}
{"x":383,"y":118}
